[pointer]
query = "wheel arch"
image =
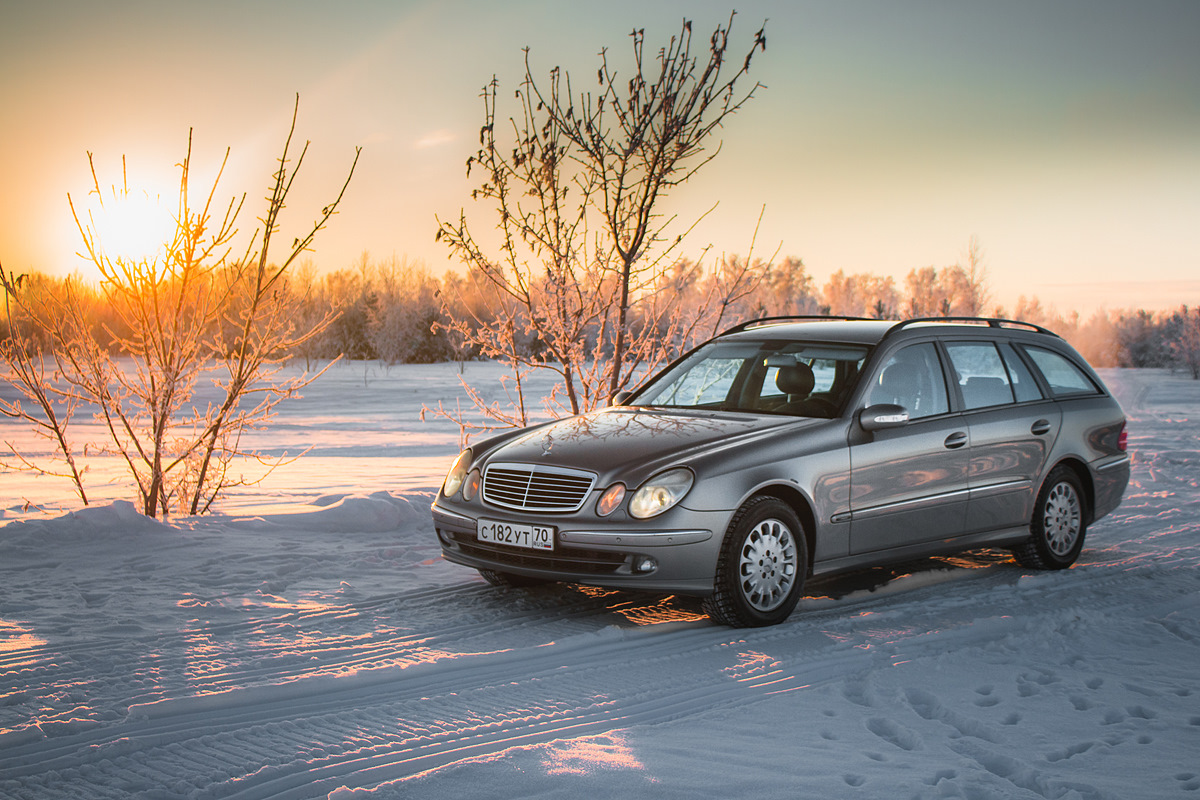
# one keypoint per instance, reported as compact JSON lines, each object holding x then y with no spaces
{"x":1084,"y":475}
{"x":803,"y":508}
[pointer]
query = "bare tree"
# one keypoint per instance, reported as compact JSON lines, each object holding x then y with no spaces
{"x":191,"y":311}
{"x":927,"y":296}
{"x":788,"y":289}
{"x":968,"y":282}
{"x":582,"y":246}
{"x":52,"y":408}
{"x":1186,"y":343}
{"x":960,"y":289}
{"x":861,"y":294}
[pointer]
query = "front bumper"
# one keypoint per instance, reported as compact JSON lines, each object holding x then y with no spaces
{"x":683,"y":558}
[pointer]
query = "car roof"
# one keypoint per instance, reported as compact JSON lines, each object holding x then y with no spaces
{"x":869,"y":331}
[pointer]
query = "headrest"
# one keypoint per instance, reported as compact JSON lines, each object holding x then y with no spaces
{"x":795,"y":379}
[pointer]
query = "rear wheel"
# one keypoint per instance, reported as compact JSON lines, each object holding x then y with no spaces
{"x":1059,"y":523}
{"x":497,"y":578}
{"x":761,"y":569}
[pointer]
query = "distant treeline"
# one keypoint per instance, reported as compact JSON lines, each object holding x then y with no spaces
{"x":395,"y":311}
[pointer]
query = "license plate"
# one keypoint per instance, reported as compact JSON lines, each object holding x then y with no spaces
{"x":514,"y":534}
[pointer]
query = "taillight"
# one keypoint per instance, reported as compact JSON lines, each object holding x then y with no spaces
{"x":1122,"y":438}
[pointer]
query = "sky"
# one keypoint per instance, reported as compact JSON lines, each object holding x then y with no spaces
{"x":1064,"y":136}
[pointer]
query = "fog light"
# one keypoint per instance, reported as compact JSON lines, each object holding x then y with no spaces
{"x":644,"y":564}
{"x":471,"y":485}
{"x":610,"y":500}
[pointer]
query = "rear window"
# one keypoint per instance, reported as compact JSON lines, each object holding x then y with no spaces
{"x":1063,"y":377}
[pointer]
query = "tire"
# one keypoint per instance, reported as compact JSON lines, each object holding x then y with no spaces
{"x":509,"y":580}
{"x":761,"y":568}
{"x":1059,"y":523}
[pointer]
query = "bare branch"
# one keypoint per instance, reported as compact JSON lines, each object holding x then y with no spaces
{"x":581,"y":247}
{"x":180,"y":317}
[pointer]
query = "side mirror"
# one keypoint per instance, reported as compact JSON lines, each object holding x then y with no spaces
{"x":619,"y":398}
{"x":884,"y":415}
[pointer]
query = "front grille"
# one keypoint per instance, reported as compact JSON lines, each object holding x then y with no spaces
{"x":533,"y":487}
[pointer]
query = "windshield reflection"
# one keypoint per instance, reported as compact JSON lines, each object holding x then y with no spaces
{"x":800,"y":379}
{"x":623,"y":423}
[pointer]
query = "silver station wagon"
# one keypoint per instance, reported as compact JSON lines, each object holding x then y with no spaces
{"x":791,"y":447}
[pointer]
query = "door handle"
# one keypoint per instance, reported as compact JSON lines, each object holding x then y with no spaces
{"x":1040,"y":427}
{"x":955,"y":440}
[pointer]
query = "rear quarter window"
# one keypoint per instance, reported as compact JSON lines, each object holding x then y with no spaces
{"x":1024,"y":385}
{"x":1063,"y":376}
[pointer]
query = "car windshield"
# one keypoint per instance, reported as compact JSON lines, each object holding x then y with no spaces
{"x":802,"y":379}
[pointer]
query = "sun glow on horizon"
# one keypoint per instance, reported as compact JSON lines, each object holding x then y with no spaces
{"x":132,"y":227}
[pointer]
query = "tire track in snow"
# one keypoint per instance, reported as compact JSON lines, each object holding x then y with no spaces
{"x":307,"y":732}
{"x":479,"y":704}
{"x":205,"y":658}
{"x":585,"y":614}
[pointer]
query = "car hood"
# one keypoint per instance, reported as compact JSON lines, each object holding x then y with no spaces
{"x":623,"y":438}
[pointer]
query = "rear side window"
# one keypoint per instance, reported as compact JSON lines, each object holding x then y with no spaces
{"x":1063,"y":376}
{"x":1023,"y":384}
{"x":982,"y":377}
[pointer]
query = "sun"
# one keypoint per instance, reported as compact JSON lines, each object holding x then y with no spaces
{"x":133,"y":226}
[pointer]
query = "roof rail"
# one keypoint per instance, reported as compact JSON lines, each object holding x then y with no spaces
{"x":754,"y":323}
{"x":991,"y":322}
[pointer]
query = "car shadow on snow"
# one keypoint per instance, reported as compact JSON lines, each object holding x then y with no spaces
{"x":644,"y":608}
{"x":872,"y":579}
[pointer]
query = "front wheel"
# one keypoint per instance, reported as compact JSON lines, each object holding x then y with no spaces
{"x":1059,"y":523}
{"x":761,"y":568}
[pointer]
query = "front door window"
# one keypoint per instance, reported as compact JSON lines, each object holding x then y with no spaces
{"x":913,"y":378}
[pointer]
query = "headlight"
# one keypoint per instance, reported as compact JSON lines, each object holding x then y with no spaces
{"x":660,"y":493}
{"x":458,"y":471}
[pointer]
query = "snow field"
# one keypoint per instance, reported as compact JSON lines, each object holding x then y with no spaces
{"x":308,"y":641}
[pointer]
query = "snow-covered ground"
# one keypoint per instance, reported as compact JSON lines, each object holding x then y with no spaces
{"x":308,"y":641}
